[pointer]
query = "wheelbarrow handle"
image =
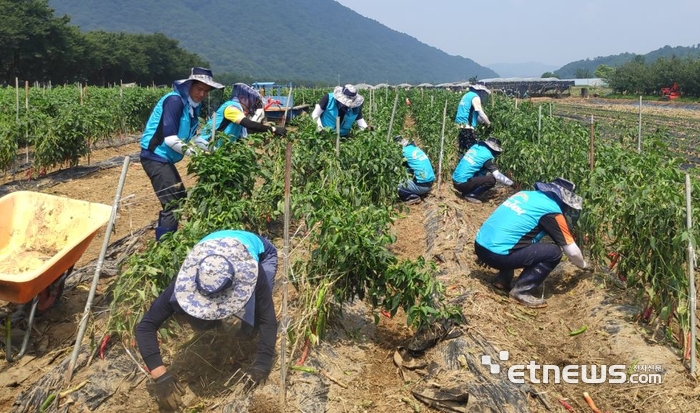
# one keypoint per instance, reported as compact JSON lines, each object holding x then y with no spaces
{"x":25,"y":341}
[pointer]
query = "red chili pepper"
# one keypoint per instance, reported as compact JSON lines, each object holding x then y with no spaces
{"x":566,"y":405}
{"x":304,"y":352}
{"x":103,"y":346}
{"x":386,"y":313}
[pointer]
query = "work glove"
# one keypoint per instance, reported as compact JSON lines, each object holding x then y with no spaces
{"x":255,"y":376}
{"x":168,"y":392}
{"x":280,"y":131}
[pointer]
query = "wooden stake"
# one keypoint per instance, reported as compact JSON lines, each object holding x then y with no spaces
{"x":591,"y":149}
{"x":393,"y":112}
{"x":442,"y":146}
{"x":337,"y":136}
{"x":691,"y":273}
{"x":285,"y":269}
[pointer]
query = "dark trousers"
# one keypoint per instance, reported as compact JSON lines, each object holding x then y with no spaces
{"x":537,"y":261}
{"x":521,"y":258}
{"x":169,"y":189}
{"x":488,"y":181}
{"x":466,"y":139}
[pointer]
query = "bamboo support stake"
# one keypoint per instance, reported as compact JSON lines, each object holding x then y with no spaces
{"x":639,"y":132}
{"x":442,"y":146}
{"x":391,"y":120}
{"x":691,"y":273}
{"x":370,"y":105}
{"x":17,"y":96}
{"x":337,"y":136}
{"x":539,"y":123}
{"x":212,"y":139}
{"x":98,"y":269}
{"x":26,"y":107}
{"x":285,"y":271}
{"x":591,"y":144}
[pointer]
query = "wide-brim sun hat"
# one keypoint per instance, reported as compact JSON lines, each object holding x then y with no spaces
{"x":348,"y":96}
{"x":203,"y":75}
{"x":477,"y":87}
{"x":217,"y":279}
{"x":494,"y":144}
{"x":562,"y":189}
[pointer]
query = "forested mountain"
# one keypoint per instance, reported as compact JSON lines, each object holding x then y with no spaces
{"x":587,"y":67}
{"x":318,"y":40}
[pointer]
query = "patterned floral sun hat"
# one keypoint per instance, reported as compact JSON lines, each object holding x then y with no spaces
{"x":348,"y":96}
{"x":217,"y":279}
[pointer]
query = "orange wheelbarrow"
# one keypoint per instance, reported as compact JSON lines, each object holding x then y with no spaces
{"x":41,"y":238}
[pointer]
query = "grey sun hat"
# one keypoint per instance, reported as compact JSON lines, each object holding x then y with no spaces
{"x":348,"y":96}
{"x":477,"y":87}
{"x":203,"y":75}
{"x":217,"y":279}
{"x":401,"y":140}
{"x":494,"y":144}
{"x":562,"y":189}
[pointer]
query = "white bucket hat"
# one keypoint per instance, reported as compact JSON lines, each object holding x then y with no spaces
{"x":562,"y":189}
{"x":479,"y":88}
{"x":203,"y":75}
{"x":217,"y":279}
{"x":348,"y":96}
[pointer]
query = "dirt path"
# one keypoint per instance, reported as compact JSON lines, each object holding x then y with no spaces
{"x":359,"y":354}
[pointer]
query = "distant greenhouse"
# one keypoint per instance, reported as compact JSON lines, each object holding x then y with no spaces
{"x":528,"y":86}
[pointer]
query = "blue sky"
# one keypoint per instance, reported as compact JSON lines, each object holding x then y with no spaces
{"x":553,"y":32}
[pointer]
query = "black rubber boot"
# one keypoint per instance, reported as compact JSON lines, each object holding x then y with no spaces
{"x":162,"y":230}
{"x":528,"y":281}
{"x":503,"y":280}
{"x":474,"y":195}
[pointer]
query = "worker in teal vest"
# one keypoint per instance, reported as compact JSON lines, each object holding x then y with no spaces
{"x":477,"y":172}
{"x":345,"y":103}
{"x":509,"y":238}
{"x":469,"y":113}
{"x":168,"y":136}
{"x":240,"y":114}
{"x":419,"y":167}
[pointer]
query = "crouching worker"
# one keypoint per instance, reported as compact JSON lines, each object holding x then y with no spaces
{"x":419,"y":167}
{"x":240,"y":115}
{"x":477,"y":172}
{"x":228,"y":273}
{"x":509,"y":238}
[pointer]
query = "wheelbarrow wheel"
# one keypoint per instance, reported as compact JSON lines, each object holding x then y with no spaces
{"x":50,"y":296}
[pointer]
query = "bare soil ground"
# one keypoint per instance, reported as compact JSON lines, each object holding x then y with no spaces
{"x":358,"y":373}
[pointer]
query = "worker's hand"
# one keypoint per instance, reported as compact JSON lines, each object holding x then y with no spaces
{"x":279,"y":130}
{"x":168,"y":392}
{"x":255,"y":376}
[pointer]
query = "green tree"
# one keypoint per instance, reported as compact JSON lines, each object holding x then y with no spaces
{"x":582,"y":73}
{"x":32,"y":41}
{"x":604,"y":71}
{"x":549,"y":74}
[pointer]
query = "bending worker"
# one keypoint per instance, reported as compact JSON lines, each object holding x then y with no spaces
{"x":469,"y":113}
{"x":240,"y":114}
{"x":345,"y":103}
{"x":228,"y":273}
{"x":421,"y":170}
{"x":172,"y":125}
{"x":509,"y":238}
{"x":477,"y":172}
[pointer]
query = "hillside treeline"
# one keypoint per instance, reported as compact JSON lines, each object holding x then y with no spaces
{"x":639,"y":77}
{"x":36,"y":45}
